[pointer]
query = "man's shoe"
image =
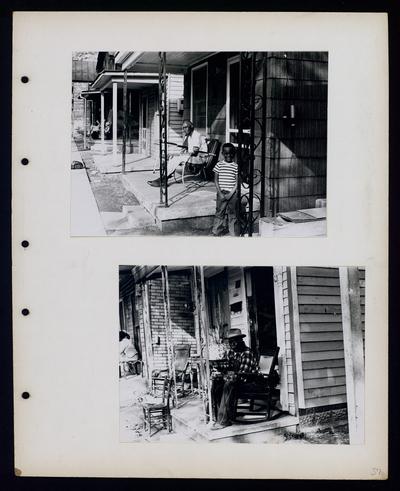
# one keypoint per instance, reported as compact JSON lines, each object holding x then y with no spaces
{"x":219,"y":426}
{"x":155,"y":183}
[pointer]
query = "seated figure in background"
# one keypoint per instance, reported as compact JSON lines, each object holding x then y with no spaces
{"x":128,"y":354}
{"x":193,"y":143}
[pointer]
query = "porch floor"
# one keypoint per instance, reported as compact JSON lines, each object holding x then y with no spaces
{"x":189,"y":418}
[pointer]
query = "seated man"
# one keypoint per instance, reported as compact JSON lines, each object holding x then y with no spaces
{"x":194,"y":143}
{"x":240,"y":360}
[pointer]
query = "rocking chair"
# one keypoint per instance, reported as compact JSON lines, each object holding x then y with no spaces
{"x":256,"y":393}
{"x":204,"y":169}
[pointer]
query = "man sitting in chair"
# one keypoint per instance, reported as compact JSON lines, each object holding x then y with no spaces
{"x":240,"y":360}
{"x":193,"y":143}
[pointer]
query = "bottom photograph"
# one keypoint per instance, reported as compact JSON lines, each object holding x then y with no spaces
{"x":237,"y":354}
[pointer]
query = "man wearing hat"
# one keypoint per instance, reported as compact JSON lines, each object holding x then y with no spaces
{"x":240,"y":360}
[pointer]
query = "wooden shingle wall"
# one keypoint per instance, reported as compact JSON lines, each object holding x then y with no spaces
{"x":296,"y":162}
{"x":321,"y":336}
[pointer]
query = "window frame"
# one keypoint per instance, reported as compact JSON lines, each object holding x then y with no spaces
{"x":193,"y":69}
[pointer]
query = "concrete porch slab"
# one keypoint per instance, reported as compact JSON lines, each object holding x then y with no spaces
{"x":189,"y":418}
{"x":190,"y":205}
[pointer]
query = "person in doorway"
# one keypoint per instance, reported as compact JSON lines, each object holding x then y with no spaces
{"x":241,"y":360}
{"x":128,"y":354}
{"x":193,"y":143}
{"x":226,"y":173}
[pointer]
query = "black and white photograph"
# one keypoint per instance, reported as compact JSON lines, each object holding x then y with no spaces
{"x":199,"y":143}
{"x":232,"y":354}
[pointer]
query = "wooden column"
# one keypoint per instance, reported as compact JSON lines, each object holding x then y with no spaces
{"x":353,"y":351}
{"x":102,"y":122}
{"x":115,"y":121}
{"x":147,"y":331}
{"x":280,"y":336}
{"x":124,"y":102}
{"x":167,"y":315}
{"x":206,"y":339}
{"x":295,"y":338}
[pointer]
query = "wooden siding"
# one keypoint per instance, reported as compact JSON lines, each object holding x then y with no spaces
{"x":361,"y":272}
{"x":321,"y":336}
{"x":175,"y":117}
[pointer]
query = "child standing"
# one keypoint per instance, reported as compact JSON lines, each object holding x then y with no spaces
{"x":226,"y":172}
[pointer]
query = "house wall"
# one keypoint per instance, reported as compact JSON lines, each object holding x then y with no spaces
{"x":301,"y":79}
{"x":182,"y":320}
{"x":175,"y":117}
{"x":78,"y":108}
{"x":321,"y":336}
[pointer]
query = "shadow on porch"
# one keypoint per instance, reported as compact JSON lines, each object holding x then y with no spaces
{"x":189,"y":419}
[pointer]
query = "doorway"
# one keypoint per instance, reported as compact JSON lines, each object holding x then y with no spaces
{"x":264,"y":303}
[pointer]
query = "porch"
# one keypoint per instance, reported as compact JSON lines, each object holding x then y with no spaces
{"x":191,"y":206}
{"x":189,"y":420}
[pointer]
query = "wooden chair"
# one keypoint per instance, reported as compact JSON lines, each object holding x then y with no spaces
{"x":159,"y":413}
{"x":204,"y":169}
{"x":255,"y":392}
{"x":182,"y":368}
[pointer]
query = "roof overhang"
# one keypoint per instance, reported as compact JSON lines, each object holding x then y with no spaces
{"x":176,"y":61}
{"x":135,"y":80}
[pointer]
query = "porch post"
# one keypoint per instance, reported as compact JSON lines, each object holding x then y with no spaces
{"x":125,"y":94}
{"x":163,"y":128}
{"x":167,"y":313}
{"x":114,"y":123}
{"x":84,"y":122}
{"x":102,"y":121}
{"x":353,"y":351}
{"x":147,"y":331}
{"x":206,"y":339}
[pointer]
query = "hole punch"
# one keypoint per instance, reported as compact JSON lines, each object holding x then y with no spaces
{"x":24,"y":79}
{"x":25,"y":243}
{"x":25,"y":395}
{"x":25,"y":312}
{"x":24,"y":161}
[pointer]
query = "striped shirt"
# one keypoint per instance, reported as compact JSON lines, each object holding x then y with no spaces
{"x":227,"y":175}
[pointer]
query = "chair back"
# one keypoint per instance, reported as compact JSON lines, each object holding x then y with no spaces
{"x":267,"y":364}
{"x":181,"y":356}
{"x":213,"y":147}
{"x":167,"y":390}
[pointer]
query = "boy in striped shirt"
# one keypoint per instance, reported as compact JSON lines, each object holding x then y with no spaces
{"x":226,"y":172}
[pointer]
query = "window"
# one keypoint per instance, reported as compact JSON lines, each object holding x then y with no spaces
{"x":199,"y":98}
{"x":232,"y":100}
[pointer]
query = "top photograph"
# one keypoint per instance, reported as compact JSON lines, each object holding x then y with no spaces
{"x":199,"y":143}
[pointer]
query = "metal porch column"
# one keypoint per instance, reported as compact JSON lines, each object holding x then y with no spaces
{"x":163,"y":128}
{"x":206,"y":339}
{"x":250,"y":106}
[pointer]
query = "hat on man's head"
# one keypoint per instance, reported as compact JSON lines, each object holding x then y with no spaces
{"x":235,"y":333}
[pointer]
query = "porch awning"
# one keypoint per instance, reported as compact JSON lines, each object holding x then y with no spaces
{"x":148,"y":61}
{"x":135,"y":80}
{"x":140,"y":272}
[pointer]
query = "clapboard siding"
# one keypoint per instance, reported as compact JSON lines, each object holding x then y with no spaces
{"x":321,"y":335}
{"x":175,"y":118}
